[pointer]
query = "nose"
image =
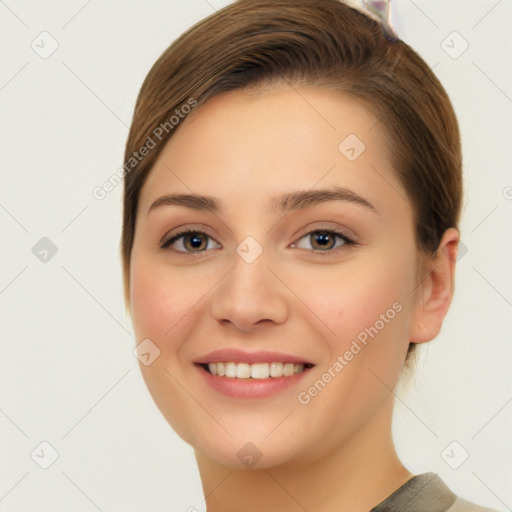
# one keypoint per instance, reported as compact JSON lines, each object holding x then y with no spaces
{"x":250,"y":296}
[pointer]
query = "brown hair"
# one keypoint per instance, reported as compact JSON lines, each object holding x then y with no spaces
{"x":308,"y":42}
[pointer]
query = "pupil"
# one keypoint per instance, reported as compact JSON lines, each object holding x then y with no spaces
{"x":322,"y":239}
{"x":195,"y":241}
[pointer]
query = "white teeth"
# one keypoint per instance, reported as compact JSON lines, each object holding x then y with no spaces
{"x":260,"y":371}
{"x":276,"y":369}
{"x":230,"y":369}
{"x":243,"y":371}
{"x":288,"y":369}
{"x":254,"y":371}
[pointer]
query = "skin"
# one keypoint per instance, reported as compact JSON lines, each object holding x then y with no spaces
{"x":243,"y":147}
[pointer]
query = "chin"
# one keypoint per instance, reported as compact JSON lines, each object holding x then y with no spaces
{"x":247,"y":454}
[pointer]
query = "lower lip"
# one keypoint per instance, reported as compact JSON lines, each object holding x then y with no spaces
{"x":249,"y":388}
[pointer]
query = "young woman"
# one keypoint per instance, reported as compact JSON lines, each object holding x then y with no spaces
{"x":291,"y":207}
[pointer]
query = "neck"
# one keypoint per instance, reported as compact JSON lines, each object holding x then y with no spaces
{"x":356,"y":475}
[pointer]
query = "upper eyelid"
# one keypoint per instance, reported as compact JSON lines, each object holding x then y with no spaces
{"x":333,"y":226}
{"x":339,"y":231}
{"x":187,"y":229}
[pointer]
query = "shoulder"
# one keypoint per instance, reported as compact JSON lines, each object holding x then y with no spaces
{"x":460,"y":505}
{"x":427,"y":493}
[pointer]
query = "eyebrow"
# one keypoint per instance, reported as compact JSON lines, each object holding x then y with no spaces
{"x":296,"y":200}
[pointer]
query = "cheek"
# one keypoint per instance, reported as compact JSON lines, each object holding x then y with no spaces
{"x":160,"y":301}
{"x":368,"y":312}
{"x":359,"y":294}
{"x":367,"y":306}
{"x":160,"y":298}
{"x":149,"y":301}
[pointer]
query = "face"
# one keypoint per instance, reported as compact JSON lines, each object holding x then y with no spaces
{"x":298,"y":269}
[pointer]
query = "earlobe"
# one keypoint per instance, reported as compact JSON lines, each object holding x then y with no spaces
{"x":434,"y":293}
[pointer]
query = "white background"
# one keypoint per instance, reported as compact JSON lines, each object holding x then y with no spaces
{"x":67,"y":372}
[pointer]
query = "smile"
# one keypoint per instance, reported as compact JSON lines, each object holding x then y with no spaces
{"x":234,"y":370}
{"x":251,"y":381}
{"x":243,"y":374}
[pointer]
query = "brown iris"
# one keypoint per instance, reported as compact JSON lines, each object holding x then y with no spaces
{"x":196,"y":241}
{"x":322,"y":239}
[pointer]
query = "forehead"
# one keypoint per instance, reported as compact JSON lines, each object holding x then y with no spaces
{"x":259,"y":143}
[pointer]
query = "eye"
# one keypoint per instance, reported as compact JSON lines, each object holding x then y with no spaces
{"x":319,"y":241}
{"x":196,"y":241}
{"x":323,"y":240}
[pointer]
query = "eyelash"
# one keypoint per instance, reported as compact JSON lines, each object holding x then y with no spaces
{"x":347,"y":241}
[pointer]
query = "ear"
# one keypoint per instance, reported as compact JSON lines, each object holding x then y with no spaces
{"x":435,"y":291}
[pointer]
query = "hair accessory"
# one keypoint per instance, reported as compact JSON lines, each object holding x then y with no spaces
{"x":382,"y":10}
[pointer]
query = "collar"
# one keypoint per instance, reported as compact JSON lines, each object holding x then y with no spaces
{"x":422,"y":493}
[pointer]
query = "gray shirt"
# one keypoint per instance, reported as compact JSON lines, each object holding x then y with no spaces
{"x":426,"y":493}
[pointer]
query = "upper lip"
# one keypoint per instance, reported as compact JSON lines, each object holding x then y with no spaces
{"x":240,"y":356}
